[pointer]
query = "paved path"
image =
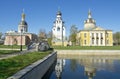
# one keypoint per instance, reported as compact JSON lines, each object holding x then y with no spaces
{"x":15,"y":54}
{"x":10,"y":49}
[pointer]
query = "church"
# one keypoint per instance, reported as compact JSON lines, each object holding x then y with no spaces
{"x":59,"y":31}
{"x":93,"y":35}
{"x":20,"y":37}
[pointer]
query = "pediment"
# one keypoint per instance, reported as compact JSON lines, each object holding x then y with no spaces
{"x":98,"y":28}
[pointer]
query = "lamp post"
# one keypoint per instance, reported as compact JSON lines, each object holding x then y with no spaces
{"x":62,"y":37}
{"x":21,"y":40}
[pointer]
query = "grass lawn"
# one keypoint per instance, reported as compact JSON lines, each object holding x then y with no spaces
{"x":87,"y":47}
{"x":3,"y":52}
{"x":10,"y":66}
{"x":12,"y":46}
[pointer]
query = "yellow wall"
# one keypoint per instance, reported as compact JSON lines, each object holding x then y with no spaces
{"x":110,"y":38}
{"x":80,"y":37}
{"x":83,"y":38}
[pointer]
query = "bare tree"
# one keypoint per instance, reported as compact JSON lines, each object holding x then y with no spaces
{"x":49,"y":37}
{"x":73,"y":29}
{"x":73,"y":33}
{"x":42,"y":35}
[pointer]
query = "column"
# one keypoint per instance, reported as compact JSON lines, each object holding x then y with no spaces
{"x":95,"y":39}
{"x":104,"y":39}
{"x":99,"y":40}
{"x":90,"y":39}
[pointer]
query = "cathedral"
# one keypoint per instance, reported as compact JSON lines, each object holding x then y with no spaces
{"x":59,"y":31}
{"x":93,"y":35}
{"x":20,"y":37}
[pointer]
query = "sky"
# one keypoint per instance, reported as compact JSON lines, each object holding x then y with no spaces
{"x":40,"y":14}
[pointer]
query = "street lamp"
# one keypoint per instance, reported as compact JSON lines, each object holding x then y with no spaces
{"x":62,"y":37}
{"x":21,"y":40}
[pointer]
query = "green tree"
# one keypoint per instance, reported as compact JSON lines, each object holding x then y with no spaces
{"x":73,"y":33}
{"x":49,"y":38}
{"x":116,"y":38}
{"x":42,"y":35}
{"x":1,"y":35}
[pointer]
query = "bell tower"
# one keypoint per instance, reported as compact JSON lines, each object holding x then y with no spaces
{"x":23,"y":24}
{"x":58,"y":29}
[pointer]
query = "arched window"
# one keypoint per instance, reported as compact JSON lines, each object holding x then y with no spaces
{"x":58,"y":29}
{"x":15,"y":41}
{"x":59,"y":21}
{"x":63,"y":29}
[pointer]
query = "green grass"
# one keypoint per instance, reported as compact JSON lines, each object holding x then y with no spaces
{"x":12,"y":46}
{"x":10,"y":66}
{"x":87,"y":47}
{"x":3,"y":52}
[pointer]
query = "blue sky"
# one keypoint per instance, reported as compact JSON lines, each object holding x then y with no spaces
{"x":40,"y":14}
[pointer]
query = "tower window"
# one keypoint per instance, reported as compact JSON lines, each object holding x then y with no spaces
{"x":85,"y":35}
{"x":107,"y":34}
{"x":85,"y":42}
{"x":101,"y":41}
{"x":58,"y":29}
{"x":96,"y":34}
{"x":63,"y":29}
{"x":101,"y":35}
{"x":107,"y":41}
{"x":92,"y":34}
{"x":97,"y":41}
{"x":92,"y":41}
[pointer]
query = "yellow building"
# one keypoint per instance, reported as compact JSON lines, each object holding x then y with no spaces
{"x":93,"y":35}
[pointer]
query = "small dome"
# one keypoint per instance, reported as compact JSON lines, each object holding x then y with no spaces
{"x":90,"y":20}
{"x":59,"y":13}
{"x":23,"y":23}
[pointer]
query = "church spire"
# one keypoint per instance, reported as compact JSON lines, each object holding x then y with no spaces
{"x":23,"y":16}
{"x":23,"y":24}
{"x":59,"y":12}
{"x":90,"y":22}
{"x":89,"y":14}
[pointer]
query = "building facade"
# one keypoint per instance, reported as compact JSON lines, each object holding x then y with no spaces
{"x":22,"y":37}
{"x":93,"y":35}
{"x":58,"y":31}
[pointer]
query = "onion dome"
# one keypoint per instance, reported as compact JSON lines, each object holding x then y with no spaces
{"x":90,"y":19}
{"x":90,"y":23}
{"x":23,"y":22}
{"x":59,"y":13}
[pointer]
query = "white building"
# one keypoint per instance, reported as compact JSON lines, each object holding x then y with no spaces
{"x":59,"y":67}
{"x":58,"y":26}
{"x":58,"y":30}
